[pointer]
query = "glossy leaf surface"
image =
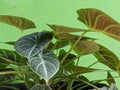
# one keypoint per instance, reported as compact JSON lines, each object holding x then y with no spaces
{"x":108,"y":58}
{"x":45,"y":64}
{"x":31,"y":44}
{"x":18,"y":22}
{"x":85,"y":47}
{"x":97,"y":20}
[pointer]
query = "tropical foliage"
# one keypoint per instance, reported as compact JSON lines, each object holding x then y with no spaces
{"x":42,"y":58}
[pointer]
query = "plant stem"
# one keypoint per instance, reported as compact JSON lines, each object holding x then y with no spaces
{"x":90,"y":84}
{"x":93,"y":64}
{"x":63,"y":59}
{"x":13,"y":72}
{"x":107,"y":79}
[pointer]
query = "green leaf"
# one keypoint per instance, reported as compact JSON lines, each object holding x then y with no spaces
{"x":97,"y":20}
{"x":31,"y":44}
{"x":18,"y":22}
{"x":108,"y":58}
{"x":9,"y":56}
{"x":84,"y":47}
{"x":45,"y":64}
{"x":64,"y":29}
{"x":110,"y":79}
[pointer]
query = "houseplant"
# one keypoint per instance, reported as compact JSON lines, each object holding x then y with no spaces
{"x":42,"y":61}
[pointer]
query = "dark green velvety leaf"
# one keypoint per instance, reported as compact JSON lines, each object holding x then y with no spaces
{"x":64,"y":29}
{"x":108,"y":58}
{"x":97,"y":20}
{"x":110,"y":81}
{"x":18,"y":22}
{"x":45,"y":64}
{"x":9,"y":56}
{"x":85,"y":47}
{"x":30,"y":45}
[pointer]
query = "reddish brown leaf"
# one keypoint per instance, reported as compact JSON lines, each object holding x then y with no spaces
{"x":97,"y":20}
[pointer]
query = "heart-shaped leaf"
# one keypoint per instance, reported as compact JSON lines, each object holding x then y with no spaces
{"x":85,"y":47}
{"x":97,"y":20}
{"x":45,"y":64}
{"x":18,"y":22}
{"x":108,"y":58}
{"x":31,"y":44}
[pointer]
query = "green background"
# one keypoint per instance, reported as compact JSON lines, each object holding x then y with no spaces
{"x":60,"y":12}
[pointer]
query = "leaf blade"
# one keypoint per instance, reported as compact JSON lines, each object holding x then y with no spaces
{"x":97,"y":20}
{"x":19,"y":22}
{"x":45,"y":64}
{"x":31,"y":44}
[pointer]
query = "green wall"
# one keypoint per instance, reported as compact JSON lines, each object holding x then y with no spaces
{"x":61,"y":12}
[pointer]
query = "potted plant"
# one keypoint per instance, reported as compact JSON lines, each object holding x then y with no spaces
{"x":42,"y":61}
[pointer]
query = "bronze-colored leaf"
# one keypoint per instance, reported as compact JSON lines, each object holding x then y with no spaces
{"x":66,"y":36}
{"x":19,"y":22}
{"x":61,"y":43}
{"x":64,"y":29}
{"x":108,"y":58}
{"x":97,"y":20}
{"x":85,"y":47}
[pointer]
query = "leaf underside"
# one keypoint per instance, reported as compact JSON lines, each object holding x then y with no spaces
{"x":108,"y":58}
{"x":84,"y":47}
{"x":97,"y":20}
{"x":18,"y":22}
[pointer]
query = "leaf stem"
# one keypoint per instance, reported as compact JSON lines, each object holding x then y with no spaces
{"x":14,"y":72}
{"x":63,"y":59}
{"x":93,"y":64}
